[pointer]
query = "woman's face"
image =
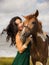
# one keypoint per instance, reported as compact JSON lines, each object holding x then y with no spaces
{"x":19,"y":23}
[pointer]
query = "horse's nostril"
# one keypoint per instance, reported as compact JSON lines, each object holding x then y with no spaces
{"x":25,"y":34}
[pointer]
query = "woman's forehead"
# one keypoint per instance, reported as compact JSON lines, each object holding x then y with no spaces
{"x":18,"y":21}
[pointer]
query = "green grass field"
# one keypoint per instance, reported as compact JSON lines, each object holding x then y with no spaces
{"x":6,"y":61}
{"x":9,"y":60}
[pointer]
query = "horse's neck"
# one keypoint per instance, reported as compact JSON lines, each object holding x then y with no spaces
{"x":35,"y":39}
{"x":42,"y":36}
{"x":39,"y":40}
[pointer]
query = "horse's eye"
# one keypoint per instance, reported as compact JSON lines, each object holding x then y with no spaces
{"x":33,"y":22}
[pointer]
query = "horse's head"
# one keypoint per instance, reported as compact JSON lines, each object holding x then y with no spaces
{"x":31,"y":25}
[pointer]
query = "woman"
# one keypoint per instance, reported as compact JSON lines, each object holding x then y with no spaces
{"x":23,"y":54}
{"x":14,"y":32}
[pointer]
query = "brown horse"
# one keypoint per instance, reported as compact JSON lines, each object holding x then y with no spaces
{"x":39,"y":46}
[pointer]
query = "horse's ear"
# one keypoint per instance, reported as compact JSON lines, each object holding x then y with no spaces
{"x":36,"y":13}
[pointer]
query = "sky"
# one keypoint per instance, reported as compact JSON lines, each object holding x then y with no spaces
{"x":11,"y":8}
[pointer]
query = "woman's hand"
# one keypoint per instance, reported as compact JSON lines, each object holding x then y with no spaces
{"x":28,"y":40}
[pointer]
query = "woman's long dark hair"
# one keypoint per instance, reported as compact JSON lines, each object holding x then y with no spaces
{"x":12,"y":30}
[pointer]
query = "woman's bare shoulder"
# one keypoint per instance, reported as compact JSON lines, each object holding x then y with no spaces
{"x":18,"y":41}
{"x":17,"y":35}
{"x":18,"y":38}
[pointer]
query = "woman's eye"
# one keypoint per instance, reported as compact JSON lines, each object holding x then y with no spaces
{"x":20,"y":21}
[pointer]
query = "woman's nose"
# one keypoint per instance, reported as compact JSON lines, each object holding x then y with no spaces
{"x":22,"y":23}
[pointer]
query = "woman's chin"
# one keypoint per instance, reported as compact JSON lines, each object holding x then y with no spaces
{"x":20,"y":29}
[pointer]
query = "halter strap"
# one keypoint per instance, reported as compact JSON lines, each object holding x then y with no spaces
{"x":27,"y":27}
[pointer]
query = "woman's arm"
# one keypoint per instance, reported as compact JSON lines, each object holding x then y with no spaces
{"x":21,"y":47}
